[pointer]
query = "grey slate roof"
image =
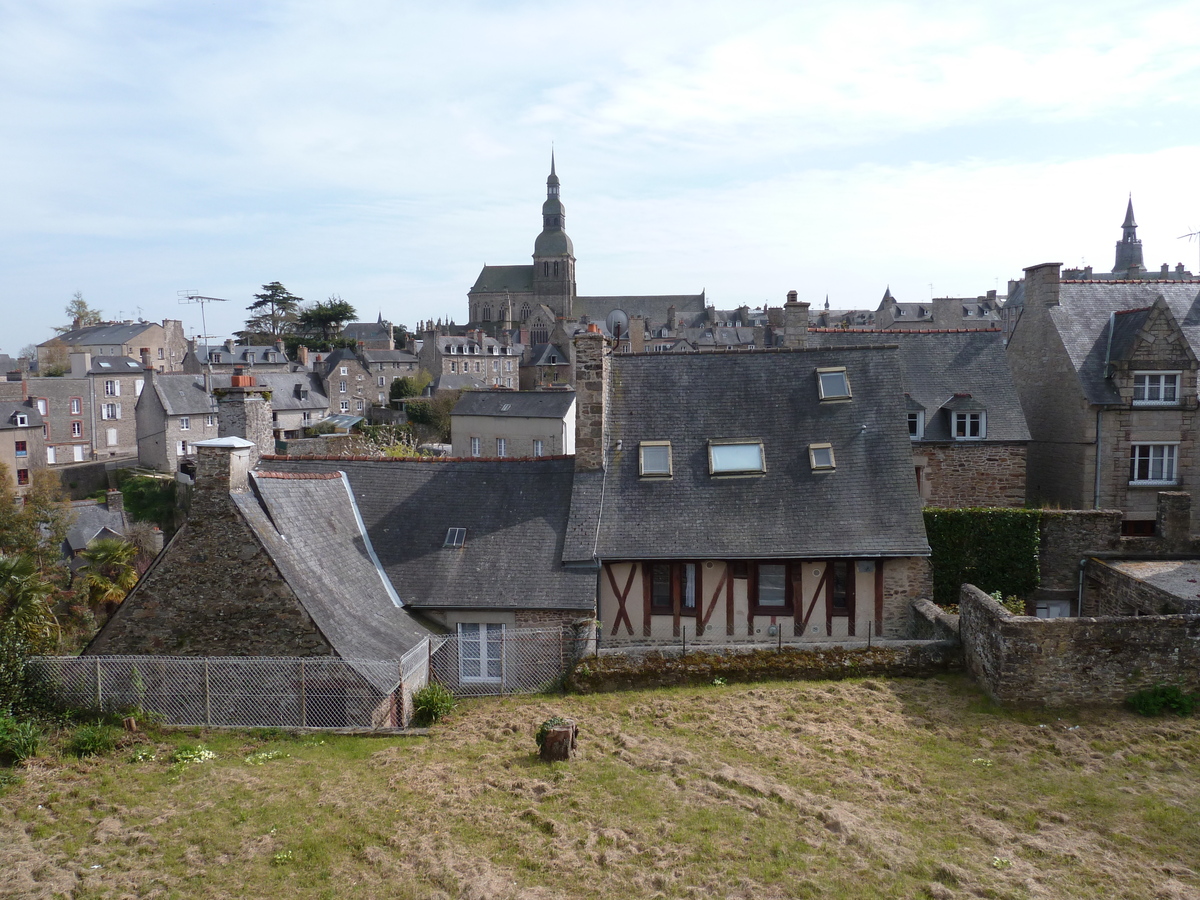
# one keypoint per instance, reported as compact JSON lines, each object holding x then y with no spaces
{"x":867,"y":507}
{"x":387,"y":356}
{"x":689,"y":308}
{"x":283,"y":389}
{"x":184,"y":395}
{"x":517,"y":404}
{"x":366,"y":331}
{"x":517,"y":279}
{"x":241,"y":354}
{"x":115,"y":365}
{"x":515,"y":513}
{"x":91,"y":520}
{"x":936,"y":365}
{"x":547,"y":355}
{"x":107,"y":333}
{"x":457,"y":383}
{"x":9,"y":409}
{"x":310,"y":527}
{"x":1081,"y":319}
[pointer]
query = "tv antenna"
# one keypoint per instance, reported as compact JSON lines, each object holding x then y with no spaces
{"x":189,"y":297}
{"x":1191,"y":236}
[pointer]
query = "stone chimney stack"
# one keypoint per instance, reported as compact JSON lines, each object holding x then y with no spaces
{"x":302,"y":355}
{"x":146,"y":364}
{"x":1174,"y":521}
{"x":279,"y":345}
{"x":1042,"y":285}
{"x":672,"y":317}
{"x":115,"y":501}
{"x":81,"y":364}
{"x":795,"y":322}
{"x":222,"y":465}
{"x":229,"y":345}
{"x":244,"y":411}
{"x":591,"y":390}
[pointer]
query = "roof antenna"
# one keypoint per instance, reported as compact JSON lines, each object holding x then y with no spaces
{"x":1191,"y":236}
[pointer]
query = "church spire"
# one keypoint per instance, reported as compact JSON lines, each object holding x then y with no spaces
{"x":1129,"y":248}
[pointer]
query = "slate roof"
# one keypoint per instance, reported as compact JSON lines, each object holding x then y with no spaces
{"x":456,"y":383}
{"x":366,"y":331}
{"x":9,"y":409}
{"x":388,"y":356}
{"x":547,"y":355}
{"x":241,"y":354}
{"x":115,"y":365}
{"x":867,"y":507}
{"x":936,"y":365}
{"x":183,"y":395}
{"x":688,"y":307}
{"x":1081,"y":319}
{"x":282,"y":386}
{"x":516,"y":404}
{"x":310,"y":527}
{"x":106,"y":333}
{"x":515,"y":513}
{"x":91,"y":520}
{"x":516,"y":279}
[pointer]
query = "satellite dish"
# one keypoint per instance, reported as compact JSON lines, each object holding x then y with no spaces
{"x":618,"y":324}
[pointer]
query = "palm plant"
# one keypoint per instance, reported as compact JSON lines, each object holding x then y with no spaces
{"x":109,"y":573}
{"x":24,"y":600}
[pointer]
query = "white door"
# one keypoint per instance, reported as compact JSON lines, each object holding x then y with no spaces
{"x":481,"y":651}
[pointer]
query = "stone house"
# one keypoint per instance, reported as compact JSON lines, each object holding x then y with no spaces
{"x":940,"y":313}
{"x":387,"y":366}
{"x":164,"y":345}
{"x":345,"y":380}
{"x":376,"y":335}
{"x":780,"y":504}
{"x":89,"y":413}
{"x":1106,"y":373}
{"x":964,"y":417}
{"x":22,"y":445}
{"x":223,"y":358}
{"x":174,"y":413}
{"x":513,"y":424}
{"x":495,"y":363}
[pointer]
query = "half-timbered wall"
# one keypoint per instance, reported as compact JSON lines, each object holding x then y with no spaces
{"x":647,"y":602}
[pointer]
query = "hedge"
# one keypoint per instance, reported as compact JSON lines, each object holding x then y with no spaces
{"x":993,"y":549}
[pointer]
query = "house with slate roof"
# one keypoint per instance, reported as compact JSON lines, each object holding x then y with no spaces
{"x":162,"y":345}
{"x":223,"y":358}
{"x":513,"y":424}
{"x":387,"y":366}
{"x":1105,"y":366}
{"x":964,"y":417}
{"x":22,"y":447}
{"x":89,"y":412}
{"x":778,"y":503}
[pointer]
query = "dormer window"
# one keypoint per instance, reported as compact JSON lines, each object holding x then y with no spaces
{"x":1156,"y":388}
{"x":455,"y":538}
{"x":820,"y":457}
{"x":214,"y":357}
{"x":734,"y":457}
{"x":654,"y":459}
{"x":832,"y":383}
{"x":21,"y":420}
{"x":970,"y":426}
{"x":916,"y":425}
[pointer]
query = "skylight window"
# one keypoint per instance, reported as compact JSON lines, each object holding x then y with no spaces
{"x":654,"y":459}
{"x":832,"y":383}
{"x":820,"y":457}
{"x":455,"y":538}
{"x":104,"y":365}
{"x":736,"y":458}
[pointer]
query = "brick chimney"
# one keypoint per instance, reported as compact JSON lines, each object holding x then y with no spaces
{"x":302,"y":355}
{"x":591,"y":395}
{"x":244,"y":411}
{"x":795,"y":322}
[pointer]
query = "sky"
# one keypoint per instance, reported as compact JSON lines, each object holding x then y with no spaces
{"x":383,"y":150}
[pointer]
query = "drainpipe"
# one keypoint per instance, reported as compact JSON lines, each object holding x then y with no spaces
{"x":1079,"y":602}
{"x":1096,"y":485}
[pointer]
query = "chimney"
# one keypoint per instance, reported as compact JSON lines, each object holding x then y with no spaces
{"x":591,"y":388}
{"x":279,"y":345}
{"x":229,"y":345}
{"x":1173,"y":523}
{"x":115,"y":501}
{"x":302,"y":355}
{"x":795,"y":322}
{"x":81,"y":364}
{"x":222,"y":466}
{"x":1042,"y":285}
{"x":1165,"y":271}
{"x":146,"y":359}
{"x":672,"y":318}
{"x":75,"y":323}
{"x":244,"y":412}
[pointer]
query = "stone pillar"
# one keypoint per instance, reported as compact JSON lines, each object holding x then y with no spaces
{"x":795,"y":322}
{"x":1173,"y":523}
{"x":591,"y":386}
{"x":244,"y":411}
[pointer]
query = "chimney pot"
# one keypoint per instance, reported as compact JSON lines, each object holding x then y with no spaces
{"x":792,"y":296}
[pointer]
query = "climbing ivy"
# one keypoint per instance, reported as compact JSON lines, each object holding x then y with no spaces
{"x":993,"y":549}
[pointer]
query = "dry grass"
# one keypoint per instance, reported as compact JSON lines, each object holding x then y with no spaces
{"x":852,"y":789}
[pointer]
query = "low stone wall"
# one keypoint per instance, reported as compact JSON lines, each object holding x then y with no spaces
{"x":932,"y":623}
{"x":1021,"y":660}
{"x":634,"y":670}
{"x":1067,"y":536}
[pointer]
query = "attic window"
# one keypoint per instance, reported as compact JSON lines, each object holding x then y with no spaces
{"x":654,"y":459}
{"x":21,"y":420}
{"x":832,"y":383}
{"x":726,"y":457}
{"x":455,"y":538}
{"x":214,"y":357}
{"x":104,"y":365}
{"x":505,"y":407}
{"x":1155,"y":388}
{"x":970,"y":426}
{"x":820,"y":457}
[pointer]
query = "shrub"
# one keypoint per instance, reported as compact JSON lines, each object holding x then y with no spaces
{"x":431,"y":703}
{"x":93,"y":740}
{"x":544,"y":729}
{"x":993,"y":549}
{"x":1162,"y":699}
{"x":18,"y":740}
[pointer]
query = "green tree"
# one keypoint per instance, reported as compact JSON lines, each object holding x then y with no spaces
{"x":409,"y":386}
{"x":25,"y":602}
{"x":109,"y":572}
{"x":274,"y":312}
{"x":431,"y":418}
{"x":326,"y":319}
{"x":78,"y":309}
{"x":38,"y":526}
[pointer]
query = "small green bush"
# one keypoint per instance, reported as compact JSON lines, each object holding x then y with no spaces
{"x":1162,"y":699}
{"x":431,"y":703}
{"x":18,"y":740}
{"x":544,"y":729}
{"x":93,"y":740}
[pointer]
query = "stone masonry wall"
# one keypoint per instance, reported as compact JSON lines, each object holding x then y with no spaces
{"x":591,"y":388}
{"x":213,"y":591}
{"x":1022,"y":660}
{"x":1067,"y":536}
{"x":904,"y":580}
{"x":973,"y":473}
{"x":1110,"y":592}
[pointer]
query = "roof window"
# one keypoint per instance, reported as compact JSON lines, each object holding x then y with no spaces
{"x":104,"y":365}
{"x":654,"y":459}
{"x":820,"y":457}
{"x":455,"y":538}
{"x":832,"y":383}
{"x":736,"y":457}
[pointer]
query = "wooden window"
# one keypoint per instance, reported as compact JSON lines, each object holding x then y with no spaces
{"x":832,"y":383}
{"x":770,"y":589}
{"x":673,"y":586}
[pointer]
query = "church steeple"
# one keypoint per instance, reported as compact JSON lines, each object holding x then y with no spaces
{"x":553,"y":253}
{"x":1129,"y":248}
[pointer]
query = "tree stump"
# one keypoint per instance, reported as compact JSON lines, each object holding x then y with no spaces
{"x":560,"y":742}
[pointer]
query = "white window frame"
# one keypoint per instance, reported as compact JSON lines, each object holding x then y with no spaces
{"x":76,"y":429}
{"x":723,"y":461}
{"x":539,"y":447}
{"x":918,"y":417}
{"x":965,"y":416}
{"x":655,"y":469}
{"x":1149,"y":459}
{"x":79,"y":452}
{"x":51,"y":456}
{"x":1151,"y":388}
{"x":344,"y":407}
{"x":476,"y":447}
{"x":833,"y":383}
{"x":344,"y":370}
{"x":110,"y":411}
{"x":76,"y":406}
{"x":341,"y":387}
{"x":210,"y":421}
{"x":21,"y":420}
{"x":185,"y":423}
{"x":112,"y":388}
{"x":501,"y":448}
{"x":41,"y":405}
{"x":481,"y":652}
{"x":821,"y":458}
{"x":456,"y":538}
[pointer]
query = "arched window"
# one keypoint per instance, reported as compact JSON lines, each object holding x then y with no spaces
{"x":525,"y":311}
{"x":555,"y":268}
{"x":486,"y":313}
{"x":545,"y":268}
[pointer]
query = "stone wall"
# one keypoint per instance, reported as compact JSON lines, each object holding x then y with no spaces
{"x":904,"y":580}
{"x":1067,"y":536}
{"x":961,"y":474}
{"x":1022,"y":660}
{"x":1111,"y":592}
{"x":591,"y":389}
{"x":213,"y":591}
{"x":932,"y":623}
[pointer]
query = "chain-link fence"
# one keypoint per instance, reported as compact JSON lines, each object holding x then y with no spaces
{"x":318,"y":692}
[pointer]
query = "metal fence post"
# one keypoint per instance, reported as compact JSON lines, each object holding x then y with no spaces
{"x":303,"y":697}
{"x":207,"y":696}
{"x":429,"y":660}
{"x":99,"y":693}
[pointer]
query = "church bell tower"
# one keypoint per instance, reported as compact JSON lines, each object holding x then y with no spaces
{"x":554,"y":255}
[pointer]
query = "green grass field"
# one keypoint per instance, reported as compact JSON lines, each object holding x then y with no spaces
{"x":857,"y":789}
